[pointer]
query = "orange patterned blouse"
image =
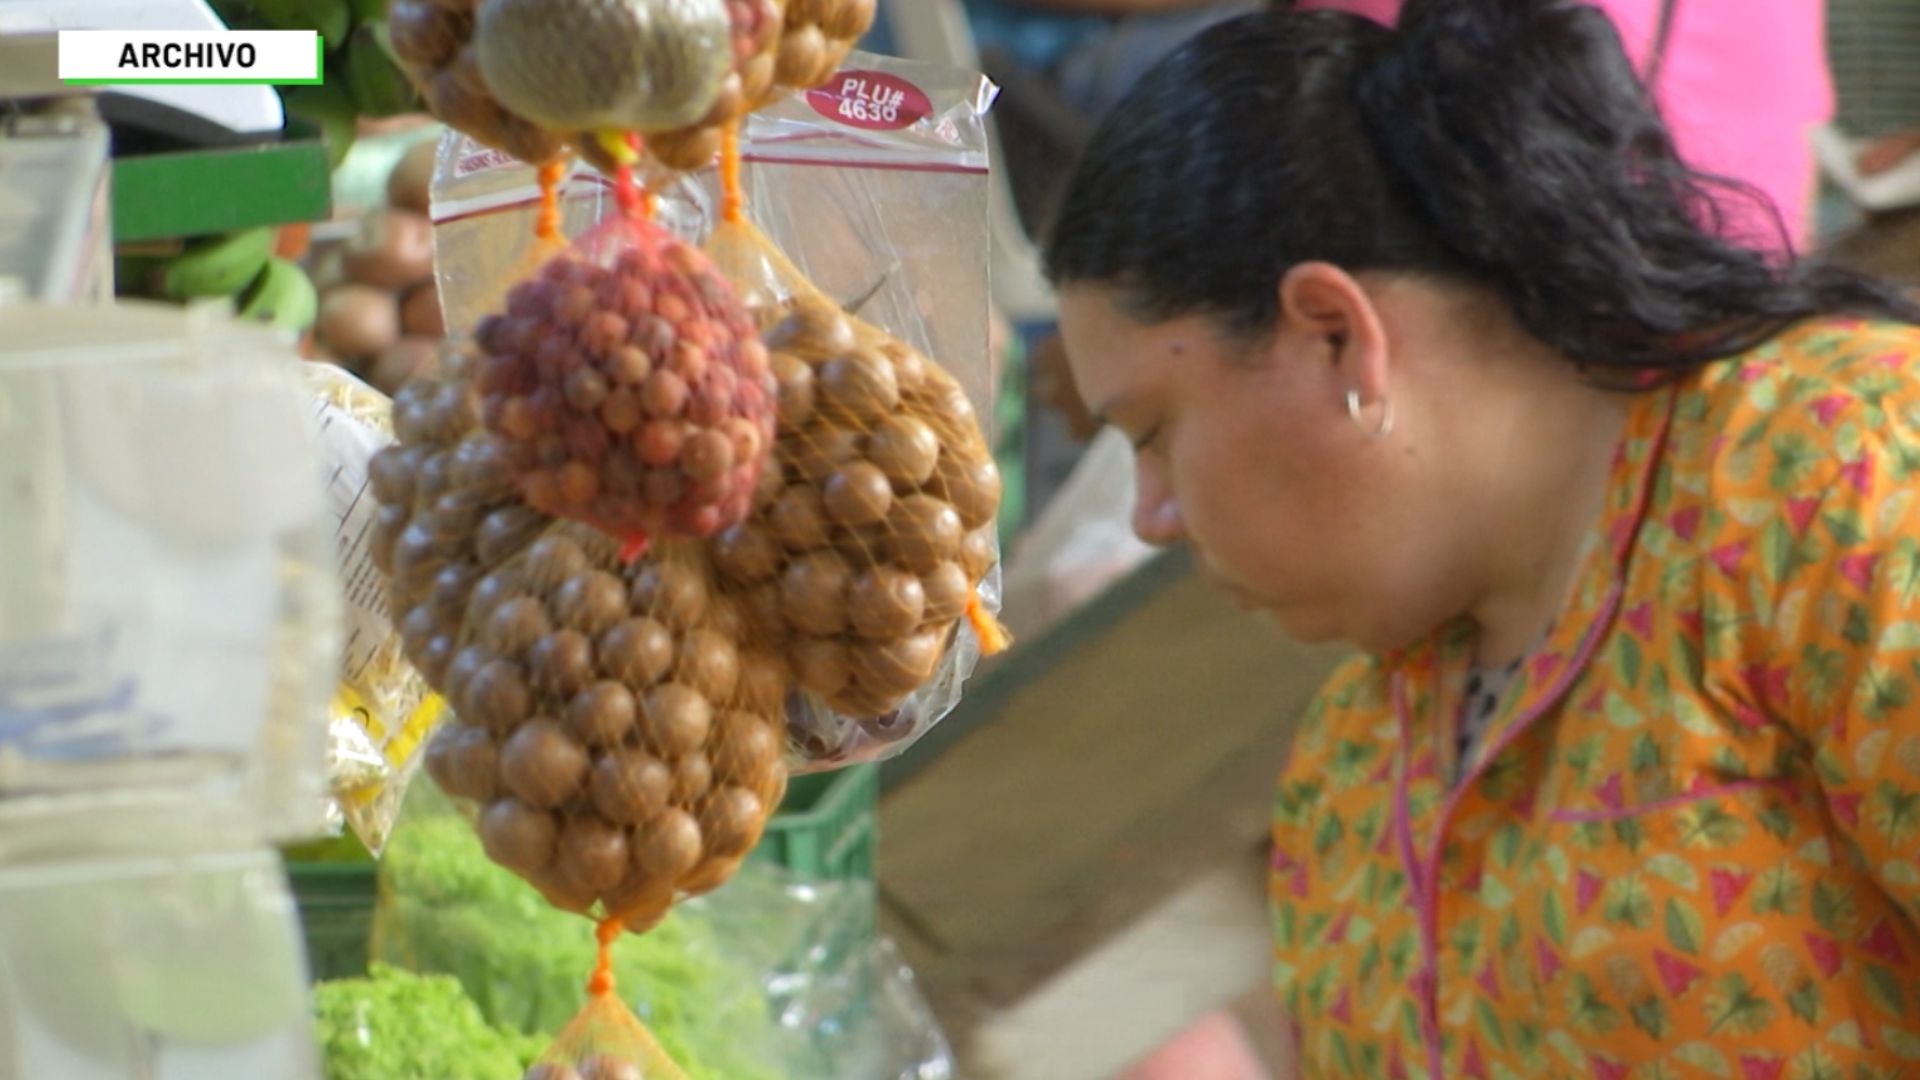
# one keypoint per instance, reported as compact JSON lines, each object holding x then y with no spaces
{"x":1689,"y":844}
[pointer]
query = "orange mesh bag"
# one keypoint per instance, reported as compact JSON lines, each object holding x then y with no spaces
{"x":616,"y":737}
{"x":629,"y":386}
{"x":873,"y":528}
{"x":605,"y":1040}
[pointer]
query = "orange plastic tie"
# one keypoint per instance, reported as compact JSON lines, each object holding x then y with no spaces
{"x":994,"y":638}
{"x":606,"y":932}
{"x":547,"y":225}
{"x":634,"y":546}
{"x":733,"y":201}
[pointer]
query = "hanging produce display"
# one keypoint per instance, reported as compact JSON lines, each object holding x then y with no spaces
{"x":671,"y":522}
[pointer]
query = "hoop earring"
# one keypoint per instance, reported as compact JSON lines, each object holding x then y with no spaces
{"x":1378,"y":431}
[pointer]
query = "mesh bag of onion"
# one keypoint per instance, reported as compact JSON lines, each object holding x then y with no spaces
{"x":872,"y":530}
{"x":617,"y":731}
{"x":628,"y":386}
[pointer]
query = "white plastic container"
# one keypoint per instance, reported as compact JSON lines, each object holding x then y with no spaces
{"x":168,"y":641}
{"x":168,"y":617}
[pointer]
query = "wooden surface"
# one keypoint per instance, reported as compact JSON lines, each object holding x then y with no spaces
{"x":1120,"y":758}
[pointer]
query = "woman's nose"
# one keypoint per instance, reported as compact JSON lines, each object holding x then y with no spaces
{"x":1156,"y":520}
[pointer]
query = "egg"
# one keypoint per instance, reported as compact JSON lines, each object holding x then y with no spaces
{"x":708,"y":663}
{"x":947,"y":591}
{"x":905,"y":449}
{"x":800,"y":520}
{"x":388,"y":526}
{"x":730,"y":822}
{"x":885,"y":603}
{"x":473,"y":764}
{"x":821,"y":664}
{"x":972,"y":486}
{"x":710,"y":875}
{"x":674,"y":719}
{"x":760,"y":607}
{"x":728,"y":619}
{"x":629,"y":786}
{"x":496,"y":697}
{"x":909,"y":367}
{"x":433,"y":660}
{"x":591,"y":854}
{"x":541,"y":765}
{"x":517,"y":836}
{"x":505,"y":531}
{"x":859,"y":385}
{"x":452,"y":589}
{"x":745,"y":747}
{"x":417,"y":628}
{"x":794,"y":379}
{"x":553,"y":559}
{"x":591,"y":602}
{"x":602,"y":714}
{"x":979,"y":551}
{"x":673,"y":593}
{"x":923,"y":532}
{"x":466,"y":664}
{"x":896,"y":667}
{"x":456,"y":515}
{"x":514,"y":626}
{"x":813,"y":593}
{"x":638,"y":652}
{"x":391,"y":472}
{"x":815,"y":327}
{"x":483,"y":466}
{"x":666,"y":846}
{"x":764,"y":682}
{"x":856,"y":494}
{"x":692,"y":777}
{"x":813,"y":453}
{"x":561,"y":663}
{"x":747,"y":552}
{"x":492,"y":590}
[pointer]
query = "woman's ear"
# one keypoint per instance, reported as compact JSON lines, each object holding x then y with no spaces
{"x":1326,"y":311}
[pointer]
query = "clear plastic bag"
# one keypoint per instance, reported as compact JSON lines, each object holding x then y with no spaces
{"x":874,"y":187}
{"x":382,"y":710}
{"x":875,"y":524}
{"x":520,"y":78}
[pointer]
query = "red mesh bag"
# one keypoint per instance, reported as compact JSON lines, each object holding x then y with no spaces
{"x":628,"y":387}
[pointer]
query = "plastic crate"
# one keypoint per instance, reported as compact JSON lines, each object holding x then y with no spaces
{"x":827,"y":826}
{"x":336,"y":915}
{"x":824,"y":831}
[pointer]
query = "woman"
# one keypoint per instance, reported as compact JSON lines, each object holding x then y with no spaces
{"x":1425,"y":347}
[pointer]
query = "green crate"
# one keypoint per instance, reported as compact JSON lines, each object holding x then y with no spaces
{"x":827,"y":826}
{"x":336,"y":915}
{"x":825,"y":831}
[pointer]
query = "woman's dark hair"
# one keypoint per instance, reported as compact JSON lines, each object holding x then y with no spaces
{"x":1504,"y":143}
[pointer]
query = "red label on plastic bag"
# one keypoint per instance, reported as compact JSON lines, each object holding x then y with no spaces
{"x":873,"y":100}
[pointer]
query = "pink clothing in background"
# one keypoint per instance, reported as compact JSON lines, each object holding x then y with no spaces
{"x":1743,"y":84}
